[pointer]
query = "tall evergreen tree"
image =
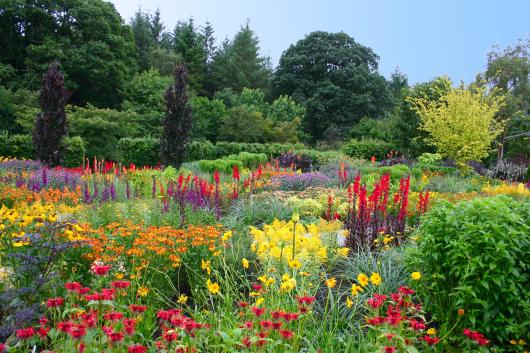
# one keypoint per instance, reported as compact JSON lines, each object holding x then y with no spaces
{"x":50,"y":123}
{"x":238,"y":63}
{"x":177,"y":122}
{"x":143,"y":38}
{"x":157,"y":27}
{"x":188,"y":43}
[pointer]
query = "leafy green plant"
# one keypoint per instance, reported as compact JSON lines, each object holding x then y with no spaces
{"x":430,"y":158}
{"x":472,"y":255}
{"x":367,"y":148}
{"x":74,"y":151}
{"x":141,"y":151}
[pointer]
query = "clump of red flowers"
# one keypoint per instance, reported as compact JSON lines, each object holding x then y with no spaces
{"x":397,"y":320}
{"x":476,"y":336}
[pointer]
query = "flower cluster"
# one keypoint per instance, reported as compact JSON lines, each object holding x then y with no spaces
{"x":289,"y":240}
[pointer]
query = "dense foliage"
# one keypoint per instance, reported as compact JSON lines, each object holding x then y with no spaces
{"x":471,"y":254}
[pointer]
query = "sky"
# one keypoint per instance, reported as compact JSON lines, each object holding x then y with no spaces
{"x":422,"y":38}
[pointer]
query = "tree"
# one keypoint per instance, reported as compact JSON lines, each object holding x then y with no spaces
{"x":238,"y":64}
{"x":398,"y":84}
{"x":334,"y":78}
{"x":96,"y":49}
{"x":143,"y":37}
{"x":188,"y":43}
{"x":177,"y":123}
{"x":102,"y":128}
{"x":50,"y":123}
{"x":508,"y":74}
{"x":164,"y":60}
{"x":207,"y":115}
{"x":245,"y":124}
{"x":462,"y":124}
{"x":405,"y":121}
{"x":144,"y":95}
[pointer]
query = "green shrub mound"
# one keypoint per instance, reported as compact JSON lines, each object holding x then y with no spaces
{"x":74,"y":151}
{"x":367,"y":148}
{"x":16,"y":146}
{"x":140,"y":151}
{"x":474,"y":256}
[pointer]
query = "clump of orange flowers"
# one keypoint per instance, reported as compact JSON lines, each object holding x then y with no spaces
{"x":136,"y":246}
{"x":12,"y":195}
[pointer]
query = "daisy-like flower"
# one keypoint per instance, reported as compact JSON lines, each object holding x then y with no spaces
{"x":363,"y":279}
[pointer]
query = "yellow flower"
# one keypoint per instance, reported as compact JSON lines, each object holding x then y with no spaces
{"x":245,"y":263}
{"x":363,"y":279}
{"x":349,"y":302}
{"x":213,"y":288}
{"x":143,"y":291}
{"x":295,"y":217}
{"x":260,"y":301}
{"x":431,"y":331}
{"x":375,"y":279}
{"x":205,"y":265}
{"x":119,"y":275}
{"x":356,"y":289}
{"x":227,"y":235}
{"x":304,"y":273}
{"x":343,"y":252}
{"x":332,"y":282}
{"x":522,"y":342}
{"x":183,"y":298}
{"x":288,"y":285}
{"x":254,"y":294}
{"x":415,"y":275}
{"x":295,"y":264}
{"x":513,"y":341}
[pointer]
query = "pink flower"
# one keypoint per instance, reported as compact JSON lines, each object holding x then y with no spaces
{"x":25,"y":333}
{"x":54,"y":302}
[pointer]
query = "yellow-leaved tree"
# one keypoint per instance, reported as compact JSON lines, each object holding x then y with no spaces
{"x":462,"y":124}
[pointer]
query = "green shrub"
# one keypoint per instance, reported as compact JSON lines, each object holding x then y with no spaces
{"x":252,"y":160}
{"x":201,"y":150}
{"x":430,"y":158}
{"x":16,"y":146}
{"x":473,"y":256}
{"x":140,"y":151}
{"x":222,"y":165}
{"x":74,"y":151}
{"x":396,"y":172}
{"x":367,"y":148}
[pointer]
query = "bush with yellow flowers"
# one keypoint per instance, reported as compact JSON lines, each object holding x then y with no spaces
{"x":286,"y":242}
{"x":512,"y":189}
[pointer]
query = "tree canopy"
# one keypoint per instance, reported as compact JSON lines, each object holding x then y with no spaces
{"x":335,"y":78}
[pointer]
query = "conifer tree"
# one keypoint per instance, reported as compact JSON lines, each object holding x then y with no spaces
{"x":177,"y":123}
{"x":50,"y":122}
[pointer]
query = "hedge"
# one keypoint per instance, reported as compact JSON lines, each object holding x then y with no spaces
{"x":368,"y":148}
{"x":139,"y":151}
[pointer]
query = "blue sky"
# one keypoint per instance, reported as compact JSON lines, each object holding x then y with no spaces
{"x":424,"y":38}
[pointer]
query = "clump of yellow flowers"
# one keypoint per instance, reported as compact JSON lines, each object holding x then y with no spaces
{"x":312,"y":243}
{"x":514,"y":189}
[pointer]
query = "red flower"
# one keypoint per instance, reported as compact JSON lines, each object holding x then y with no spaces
{"x":116,"y":336}
{"x":54,"y":302}
{"x":137,"y":308}
{"x":120,"y":284}
{"x":431,"y":340}
{"x":376,"y":301}
{"x":64,"y":326}
{"x":42,"y":332}
{"x":306,"y":300}
{"x":25,"y":333}
{"x":258,"y":311}
{"x":136,"y":348}
{"x":390,"y":349}
{"x":242,"y":304}
{"x":113,"y":316}
{"x":100,"y":270}
{"x":257,"y":287}
{"x":73,"y":286}
{"x":170,"y":336}
{"x":129,"y":325}
{"x":266,"y":324}
{"x":77,"y":331}
{"x":235,"y":173}
{"x":416,"y":325}
{"x":277,"y":325}
{"x":276,"y":314}
{"x":2,"y":348}
{"x":406,"y":290}
{"x":287,"y":334}
{"x":378,"y":320}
